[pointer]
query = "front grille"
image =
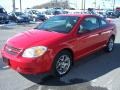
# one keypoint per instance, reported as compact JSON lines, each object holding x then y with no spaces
{"x":12,"y":50}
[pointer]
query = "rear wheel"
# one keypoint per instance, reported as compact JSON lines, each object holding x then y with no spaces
{"x":6,"y":22}
{"x":110,"y":45}
{"x":62,"y":64}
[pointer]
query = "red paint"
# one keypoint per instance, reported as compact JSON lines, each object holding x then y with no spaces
{"x":79,"y":44}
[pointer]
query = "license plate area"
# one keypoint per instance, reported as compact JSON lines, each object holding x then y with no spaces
{"x":5,"y":60}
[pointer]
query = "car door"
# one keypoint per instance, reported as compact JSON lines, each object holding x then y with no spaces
{"x":104,"y":31}
{"x":87,"y":36}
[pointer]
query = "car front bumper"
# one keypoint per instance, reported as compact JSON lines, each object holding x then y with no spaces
{"x":28,"y":65}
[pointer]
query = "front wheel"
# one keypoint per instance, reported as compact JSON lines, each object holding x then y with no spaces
{"x":110,"y":45}
{"x":62,"y":64}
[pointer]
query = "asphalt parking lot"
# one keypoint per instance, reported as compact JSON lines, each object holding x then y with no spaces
{"x":99,"y":71}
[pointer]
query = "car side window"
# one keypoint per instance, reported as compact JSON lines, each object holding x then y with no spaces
{"x":103,"y":23}
{"x":89,"y":24}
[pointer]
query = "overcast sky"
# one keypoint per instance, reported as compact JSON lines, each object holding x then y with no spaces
{"x":7,"y":4}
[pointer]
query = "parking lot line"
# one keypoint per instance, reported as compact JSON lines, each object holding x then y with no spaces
{"x":5,"y":67}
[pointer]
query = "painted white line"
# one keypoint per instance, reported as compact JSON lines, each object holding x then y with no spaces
{"x":5,"y":67}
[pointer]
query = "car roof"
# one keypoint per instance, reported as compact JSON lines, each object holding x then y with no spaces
{"x":78,"y":15}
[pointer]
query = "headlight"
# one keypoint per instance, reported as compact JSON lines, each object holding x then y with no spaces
{"x":34,"y":52}
{"x":19,"y":18}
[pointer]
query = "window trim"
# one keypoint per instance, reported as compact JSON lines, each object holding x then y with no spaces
{"x":100,"y":19}
{"x":97,"y":18}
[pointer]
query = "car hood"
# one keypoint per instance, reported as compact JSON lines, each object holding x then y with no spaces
{"x":33,"y":37}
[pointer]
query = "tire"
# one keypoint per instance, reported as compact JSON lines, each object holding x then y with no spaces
{"x":110,"y":45}
{"x":62,"y":64}
{"x":6,"y":22}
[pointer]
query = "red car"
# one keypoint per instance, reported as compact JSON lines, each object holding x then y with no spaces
{"x":57,"y":43}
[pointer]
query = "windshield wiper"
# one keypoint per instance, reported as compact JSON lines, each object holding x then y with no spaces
{"x":45,"y":29}
{"x":48,"y":30}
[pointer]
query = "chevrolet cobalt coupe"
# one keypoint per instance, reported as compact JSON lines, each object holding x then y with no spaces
{"x":54,"y":46}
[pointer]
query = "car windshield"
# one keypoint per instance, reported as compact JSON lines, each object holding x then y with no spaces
{"x":19,"y":13}
{"x":62,"y":24}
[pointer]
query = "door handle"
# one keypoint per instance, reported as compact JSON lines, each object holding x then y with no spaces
{"x":100,"y":33}
{"x":93,"y":35}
